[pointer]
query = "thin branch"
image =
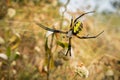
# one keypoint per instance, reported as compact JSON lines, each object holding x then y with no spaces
{"x":49,"y":57}
{"x":65,"y":6}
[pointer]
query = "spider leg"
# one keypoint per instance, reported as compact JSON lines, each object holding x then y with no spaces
{"x":69,"y":47}
{"x":83,"y":15}
{"x":49,"y":29}
{"x":89,"y":37}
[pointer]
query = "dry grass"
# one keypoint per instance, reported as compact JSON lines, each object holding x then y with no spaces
{"x":98,"y":55}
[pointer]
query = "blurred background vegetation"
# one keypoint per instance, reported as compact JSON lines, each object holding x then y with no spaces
{"x":24,"y":48}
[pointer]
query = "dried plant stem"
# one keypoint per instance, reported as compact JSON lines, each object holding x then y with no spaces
{"x":65,"y":6}
{"x":9,"y":70}
{"x":74,"y":78}
{"x":48,"y":67}
{"x":49,"y":58}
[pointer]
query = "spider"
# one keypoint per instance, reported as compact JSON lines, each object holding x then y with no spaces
{"x":75,"y":27}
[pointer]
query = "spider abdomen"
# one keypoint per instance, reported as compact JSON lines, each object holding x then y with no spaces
{"x":77,"y":27}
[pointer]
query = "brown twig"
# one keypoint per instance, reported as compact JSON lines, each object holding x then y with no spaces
{"x":65,"y":6}
{"x":49,"y":58}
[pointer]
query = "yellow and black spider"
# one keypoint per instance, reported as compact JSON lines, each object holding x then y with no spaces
{"x":75,"y":27}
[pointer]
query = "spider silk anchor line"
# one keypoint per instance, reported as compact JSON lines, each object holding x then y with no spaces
{"x":75,"y":27}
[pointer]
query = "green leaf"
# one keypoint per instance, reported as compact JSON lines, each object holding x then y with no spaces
{"x":63,"y":45}
{"x":8,"y":52}
{"x":17,"y":55}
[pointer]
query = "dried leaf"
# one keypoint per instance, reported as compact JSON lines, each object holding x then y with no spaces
{"x":14,"y":41}
{"x":3,"y":56}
